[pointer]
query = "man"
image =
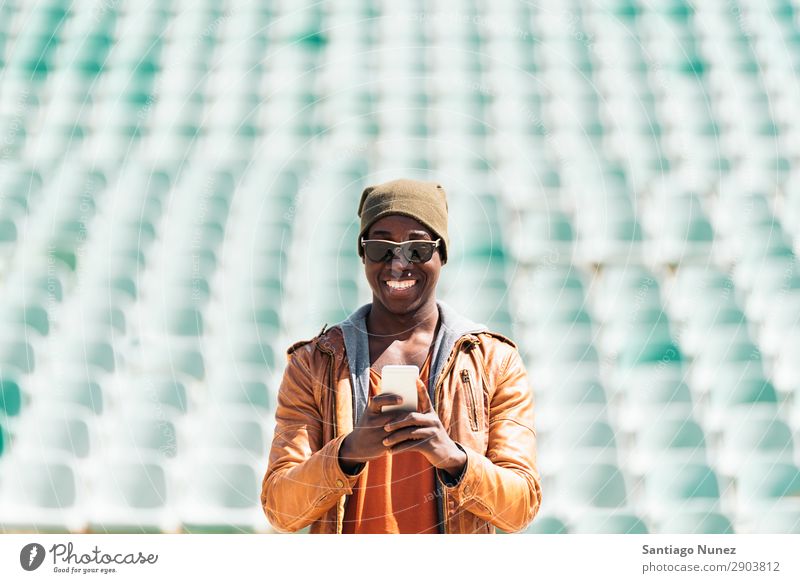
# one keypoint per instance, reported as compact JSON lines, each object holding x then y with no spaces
{"x":465,"y":461}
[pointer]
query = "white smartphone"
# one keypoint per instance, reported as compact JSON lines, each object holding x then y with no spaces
{"x":400,"y":379}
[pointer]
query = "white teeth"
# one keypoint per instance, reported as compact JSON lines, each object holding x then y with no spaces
{"x":401,"y":284}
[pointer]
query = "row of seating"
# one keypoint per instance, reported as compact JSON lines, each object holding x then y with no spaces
{"x":178,"y":185}
{"x":124,"y":493}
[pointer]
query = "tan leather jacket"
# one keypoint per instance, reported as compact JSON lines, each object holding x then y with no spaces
{"x":483,"y":398}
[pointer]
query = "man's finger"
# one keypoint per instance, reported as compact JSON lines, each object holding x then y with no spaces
{"x":377,"y":402}
{"x":407,"y":445}
{"x":413,"y":433}
{"x":409,"y":420}
{"x":424,"y":405}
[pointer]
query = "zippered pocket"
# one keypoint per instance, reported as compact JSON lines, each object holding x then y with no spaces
{"x":471,"y":399}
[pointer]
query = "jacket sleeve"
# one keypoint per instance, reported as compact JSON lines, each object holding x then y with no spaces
{"x":503,"y":487}
{"x":304,"y":478}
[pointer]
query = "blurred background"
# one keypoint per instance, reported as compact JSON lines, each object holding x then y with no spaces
{"x":178,"y":190}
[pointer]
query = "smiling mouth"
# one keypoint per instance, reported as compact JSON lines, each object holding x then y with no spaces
{"x":402,"y":285}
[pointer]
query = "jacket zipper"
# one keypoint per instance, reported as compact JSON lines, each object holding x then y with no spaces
{"x":441,"y":492}
{"x":473,"y":413}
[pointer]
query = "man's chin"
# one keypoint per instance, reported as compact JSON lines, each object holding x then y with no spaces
{"x":401,"y":306}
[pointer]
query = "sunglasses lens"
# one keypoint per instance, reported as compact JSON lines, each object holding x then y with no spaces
{"x":415,"y":252}
{"x":378,"y":250}
{"x":419,"y":252}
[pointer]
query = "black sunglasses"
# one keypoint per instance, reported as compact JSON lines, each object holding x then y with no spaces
{"x":419,"y":251}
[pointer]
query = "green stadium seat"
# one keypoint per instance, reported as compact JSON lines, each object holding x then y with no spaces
{"x":617,"y":241}
{"x":232,"y":429}
{"x":716,"y":324}
{"x":233,"y":391}
{"x":580,"y":434}
{"x":600,"y":522}
{"x":16,"y":355}
{"x":168,"y":359}
{"x":182,"y":321}
{"x":696,"y":523}
{"x":733,"y":393}
{"x":143,"y":432}
{"x":582,"y":485}
{"x":786,"y":370}
{"x":680,"y":486}
{"x":43,"y":496}
{"x":724,"y":355}
{"x":775,"y":521}
{"x":668,"y":436}
{"x":753,"y":435}
{"x":618,"y":287}
{"x":544,"y":238}
{"x":73,"y":391}
{"x":767,"y":486}
{"x":8,"y":231}
{"x":781,"y":317}
{"x":223,"y":497}
{"x":11,"y":396}
{"x":647,"y":350}
{"x":90,"y":353}
{"x":650,"y":323}
{"x":54,"y":430}
{"x":547,"y":525}
{"x":164,"y":394}
{"x":131,"y":496}
{"x":574,"y":392}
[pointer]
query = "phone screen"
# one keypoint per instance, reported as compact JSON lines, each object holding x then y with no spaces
{"x":400,"y":379}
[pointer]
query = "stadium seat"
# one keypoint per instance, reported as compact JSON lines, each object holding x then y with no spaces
{"x":585,"y":434}
{"x":547,"y":525}
{"x":569,"y":396}
{"x":786,"y":370}
{"x":766,"y":486}
{"x":54,"y":430}
{"x":653,"y":397}
{"x":222,"y":496}
{"x":680,"y":486}
{"x":40,"y":496}
{"x":751,"y":436}
{"x":667,"y":437}
{"x":774,"y":521}
{"x":16,"y":355}
{"x":155,"y":392}
{"x":696,"y":523}
{"x":131,"y":496}
{"x":11,"y":397}
{"x":602,"y":522}
{"x":733,"y":394}
{"x":244,"y":392}
{"x":583,"y":485}
{"x":693,"y":283}
{"x":724,"y":356}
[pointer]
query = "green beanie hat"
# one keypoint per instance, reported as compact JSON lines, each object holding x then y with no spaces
{"x":424,"y":201}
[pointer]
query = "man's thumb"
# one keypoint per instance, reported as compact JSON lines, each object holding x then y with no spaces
{"x":425,"y":404}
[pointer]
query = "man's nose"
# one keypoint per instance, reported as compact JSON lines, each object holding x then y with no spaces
{"x":399,"y":264}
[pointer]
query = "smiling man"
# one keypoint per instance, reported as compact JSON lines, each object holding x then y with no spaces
{"x":465,"y":461}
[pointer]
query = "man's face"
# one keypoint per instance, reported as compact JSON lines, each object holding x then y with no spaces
{"x":423,"y":275}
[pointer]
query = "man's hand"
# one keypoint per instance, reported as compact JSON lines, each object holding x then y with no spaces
{"x":424,"y":432}
{"x":365,"y":442}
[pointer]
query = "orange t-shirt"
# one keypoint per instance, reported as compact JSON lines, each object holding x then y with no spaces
{"x":395,"y":493}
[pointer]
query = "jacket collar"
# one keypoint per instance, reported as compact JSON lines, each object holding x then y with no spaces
{"x":356,"y":340}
